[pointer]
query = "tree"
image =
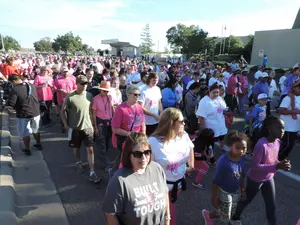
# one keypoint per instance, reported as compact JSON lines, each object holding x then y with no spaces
{"x":189,"y":40}
{"x":10,"y":43}
{"x":147,"y":44}
{"x":247,"y":51}
{"x":67,"y":43}
{"x":43,"y":45}
{"x":233,"y":45}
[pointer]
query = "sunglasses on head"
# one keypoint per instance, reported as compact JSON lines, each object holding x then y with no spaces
{"x":139,"y":154}
{"x":136,"y":95}
{"x":84,"y":83}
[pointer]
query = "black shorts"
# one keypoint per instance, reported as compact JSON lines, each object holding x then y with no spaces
{"x":86,"y":136}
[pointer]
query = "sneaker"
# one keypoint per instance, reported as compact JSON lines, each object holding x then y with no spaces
{"x":38,"y":147}
{"x":94,"y":178}
{"x":207,"y":219}
{"x":80,"y":167}
{"x":26,"y":152}
{"x":200,"y":186}
{"x":236,"y":222}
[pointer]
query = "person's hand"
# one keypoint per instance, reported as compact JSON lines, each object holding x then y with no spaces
{"x":96,"y":132}
{"x":214,"y":201}
{"x":244,"y":196}
{"x":67,"y":128}
{"x":284,"y":165}
{"x":189,"y":169}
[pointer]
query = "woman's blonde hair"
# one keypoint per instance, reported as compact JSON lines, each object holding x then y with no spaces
{"x":165,"y":129}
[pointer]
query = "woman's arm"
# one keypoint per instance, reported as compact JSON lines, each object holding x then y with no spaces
{"x":191,"y":161}
{"x":112,"y":220}
{"x":121,"y":132}
{"x":168,"y":214}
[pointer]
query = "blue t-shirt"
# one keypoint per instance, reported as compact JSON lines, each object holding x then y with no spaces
{"x":229,"y":174}
{"x":259,"y":114}
{"x":260,"y":87}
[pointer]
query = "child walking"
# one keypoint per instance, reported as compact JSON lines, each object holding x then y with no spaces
{"x":263,"y":168}
{"x":202,"y":152}
{"x":228,"y":183}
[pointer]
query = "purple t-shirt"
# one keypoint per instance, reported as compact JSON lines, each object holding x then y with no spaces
{"x":260,"y":87}
{"x":290,"y":80}
{"x":185,"y":80}
{"x":264,"y":160}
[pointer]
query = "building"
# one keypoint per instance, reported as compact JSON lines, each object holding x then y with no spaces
{"x":119,"y":48}
{"x":281,"y":46}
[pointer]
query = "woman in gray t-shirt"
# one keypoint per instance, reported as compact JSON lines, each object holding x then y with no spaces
{"x":137,"y":193}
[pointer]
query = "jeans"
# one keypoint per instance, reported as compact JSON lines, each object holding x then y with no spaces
{"x":103,"y":145}
{"x":287,"y":144}
{"x":267,"y":189}
{"x":45,"y":114}
{"x":242,"y":100}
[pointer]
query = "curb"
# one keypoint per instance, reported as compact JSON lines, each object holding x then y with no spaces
{"x":7,"y":189}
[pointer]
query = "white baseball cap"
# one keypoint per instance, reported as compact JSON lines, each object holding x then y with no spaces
{"x":264,"y":74}
{"x":262,"y":96}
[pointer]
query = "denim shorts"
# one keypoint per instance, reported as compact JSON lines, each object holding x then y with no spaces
{"x":27,"y":126}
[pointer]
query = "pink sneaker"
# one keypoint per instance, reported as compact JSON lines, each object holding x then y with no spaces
{"x":207,"y":219}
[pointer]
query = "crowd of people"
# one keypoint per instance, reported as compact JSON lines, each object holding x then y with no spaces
{"x":165,"y":120}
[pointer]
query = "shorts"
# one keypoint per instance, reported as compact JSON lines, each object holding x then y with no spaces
{"x":27,"y":126}
{"x":86,"y":136}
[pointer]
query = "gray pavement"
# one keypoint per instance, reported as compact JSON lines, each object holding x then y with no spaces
{"x":48,"y":180}
{"x":82,"y":200}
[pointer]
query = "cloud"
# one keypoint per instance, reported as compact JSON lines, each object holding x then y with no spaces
{"x":97,"y":20}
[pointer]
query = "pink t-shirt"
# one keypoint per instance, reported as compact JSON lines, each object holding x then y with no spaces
{"x":103,"y":106}
{"x":68,"y":84}
{"x":264,"y":160}
{"x":125,"y":116}
{"x":44,"y":93}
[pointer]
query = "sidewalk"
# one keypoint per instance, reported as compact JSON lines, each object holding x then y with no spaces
{"x":33,"y":198}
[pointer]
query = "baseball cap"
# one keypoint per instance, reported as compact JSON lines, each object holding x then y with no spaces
{"x":296,"y":66}
{"x":264,"y":74}
{"x":262,"y":96}
{"x":81,"y":79}
{"x":65,"y":69}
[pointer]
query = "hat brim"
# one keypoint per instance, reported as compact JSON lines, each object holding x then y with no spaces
{"x":104,"y":89}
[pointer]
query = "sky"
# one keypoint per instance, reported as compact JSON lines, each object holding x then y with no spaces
{"x":94,"y":20}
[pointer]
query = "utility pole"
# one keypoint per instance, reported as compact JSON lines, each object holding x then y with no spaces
{"x":221,"y":41}
{"x":229,"y":42}
{"x":2,"y":42}
{"x":224,"y":40}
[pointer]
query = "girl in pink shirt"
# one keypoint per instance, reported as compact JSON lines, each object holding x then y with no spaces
{"x":44,"y":84}
{"x":263,"y":168}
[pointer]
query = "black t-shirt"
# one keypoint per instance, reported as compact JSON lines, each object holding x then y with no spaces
{"x":23,"y":98}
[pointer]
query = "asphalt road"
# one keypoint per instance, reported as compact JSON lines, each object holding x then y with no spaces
{"x":82,"y":199}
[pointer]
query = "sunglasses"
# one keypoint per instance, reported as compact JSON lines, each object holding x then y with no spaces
{"x":84,"y":83}
{"x":181,"y":121}
{"x":105,"y":91}
{"x":136,"y":95}
{"x":139,"y":154}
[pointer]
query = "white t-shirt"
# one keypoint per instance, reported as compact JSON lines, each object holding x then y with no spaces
{"x":150,"y":98}
{"x":281,"y":82}
{"x":290,"y":124}
{"x":211,"y":81}
{"x":212,"y":112}
{"x":172,"y":155}
{"x":272,"y":88}
{"x":179,"y":91}
{"x":227,"y":75}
